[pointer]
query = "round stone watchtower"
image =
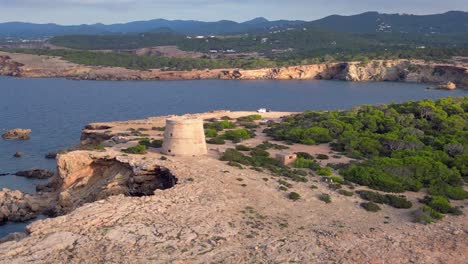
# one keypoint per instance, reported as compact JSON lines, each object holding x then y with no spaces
{"x":184,"y":136}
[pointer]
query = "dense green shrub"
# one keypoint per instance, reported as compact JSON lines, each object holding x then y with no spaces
{"x":370,"y":206}
{"x":235,"y":164}
{"x":294,"y":196}
{"x":211,"y":133}
{"x":268,"y":145}
{"x":322,"y":156}
{"x":139,"y":149}
{"x":249,"y":118}
{"x":427,"y":215}
{"x":337,"y":179}
{"x":392,"y":200}
{"x":404,"y":147}
{"x":441,"y":205}
{"x":242,"y":148}
{"x":345,"y":193}
{"x":248,"y":125}
{"x":157,"y":143}
{"x":303,"y":163}
{"x":335,"y":186}
{"x":325,"y":198}
{"x":327,"y":171}
{"x":235,"y":156}
{"x":220,"y":125}
{"x":304,"y":155}
{"x":237,"y":135}
{"x":216,"y":141}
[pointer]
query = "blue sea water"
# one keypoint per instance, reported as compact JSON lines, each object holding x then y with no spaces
{"x":57,"y":109}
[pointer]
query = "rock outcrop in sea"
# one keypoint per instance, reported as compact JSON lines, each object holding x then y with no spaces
{"x":17,"y":133}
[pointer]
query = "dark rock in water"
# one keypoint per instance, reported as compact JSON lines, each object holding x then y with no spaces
{"x":17,"y":133}
{"x":35,"y":174}
{"x":18,"y":154}
{"x":51,"y":155}
{"x":13,"y":237}
{"x":4,"y":174}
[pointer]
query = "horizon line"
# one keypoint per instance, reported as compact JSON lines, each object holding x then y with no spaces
{"x":236,"y":21}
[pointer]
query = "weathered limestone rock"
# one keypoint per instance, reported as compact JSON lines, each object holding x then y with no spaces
{"x":447,"y":86}
{"x":16,"y":206}
{"x":82,"y":178}
{"x":17,"y":133}
{"x":376,"y":70}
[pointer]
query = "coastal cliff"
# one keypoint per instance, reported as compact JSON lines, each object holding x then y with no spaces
{"x":33,"y":66}
{"x":124,"y":208}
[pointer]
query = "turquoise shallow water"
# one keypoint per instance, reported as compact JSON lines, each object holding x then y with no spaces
{"x":57,"y":109}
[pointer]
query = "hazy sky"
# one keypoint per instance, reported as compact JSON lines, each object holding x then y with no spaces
{"x":112,"y":11}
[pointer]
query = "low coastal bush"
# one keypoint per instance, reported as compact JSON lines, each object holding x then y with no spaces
{"x":157,"y":143}
{"x":294,"y":196}
{"x":441,"y":205}
{"x":345,"y":193}
{"x":285,"y":183}
{"x":303,"y":163}
{"x":248,"y":125}
{"x":392,"y":200}
{"x":322,"y":157}
{"x":220,"y":125}
{"x":237,"y":135}
{"x":260,"y":158}
{"x":325,"y":198}
{"x":235,"y":164}
{"x":427,"y":215}
{"x":327,"y":171}
{"x":242,"y":148}
{"x":139,"y":149}
{"x":371,"y":207}
{"x":336,"y":179}
{"x":335,"y":186}
{"x":216,"y":141}
{"x":211,"y":133}
{"x":249,"y":118}
{"x":158,"y":128}
{"x":268,"y":145}
{"x":304,"y":155}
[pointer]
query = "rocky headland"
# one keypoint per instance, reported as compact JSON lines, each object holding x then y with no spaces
{"x":34,"y":66}
{"x":115,"y":207}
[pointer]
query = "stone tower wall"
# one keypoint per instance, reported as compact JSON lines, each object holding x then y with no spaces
{"x":184,"y":137}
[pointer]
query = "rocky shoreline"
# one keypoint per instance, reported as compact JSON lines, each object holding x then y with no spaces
{"x":34,"y":66}
{"x":122,"y":208}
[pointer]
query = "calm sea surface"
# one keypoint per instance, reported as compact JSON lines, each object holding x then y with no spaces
{"x":57,"y":109}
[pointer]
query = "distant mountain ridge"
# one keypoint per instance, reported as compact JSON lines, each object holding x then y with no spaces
{"x":369,"y":22}
{"x":450,"y":22}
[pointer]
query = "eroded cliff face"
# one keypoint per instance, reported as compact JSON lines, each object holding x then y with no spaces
{"x":83,"y":177}
{"x":9,"y":67}
{"x":25,"y":65}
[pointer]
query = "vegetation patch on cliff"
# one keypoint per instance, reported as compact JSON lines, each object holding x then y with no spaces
{"x":403,"y":147}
